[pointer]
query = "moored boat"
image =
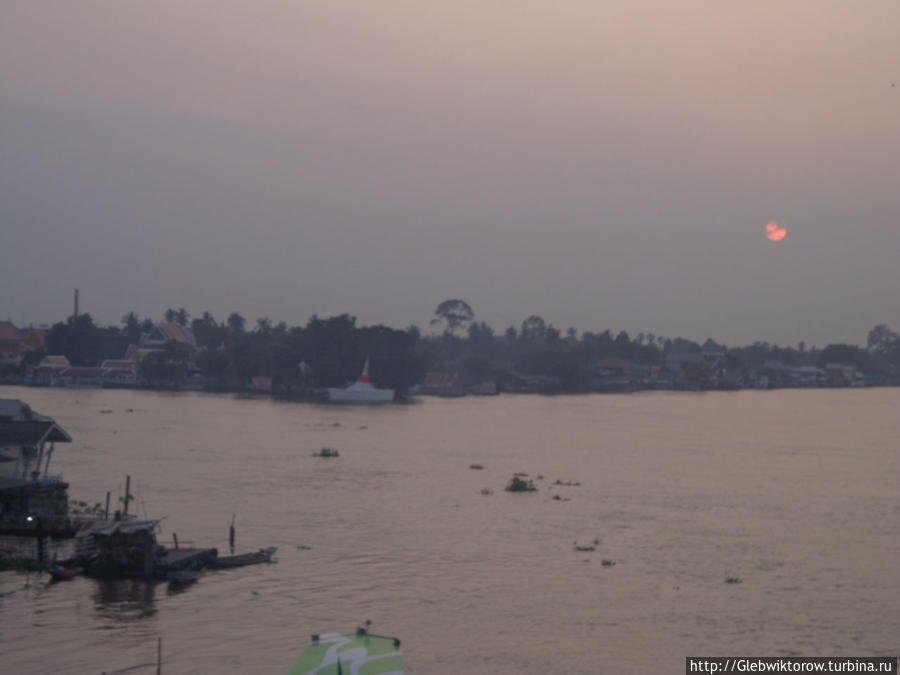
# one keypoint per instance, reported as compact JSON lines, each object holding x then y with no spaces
{"x":63,"y":572}
{"x":263,"y":555}
{"x":361,"y":391}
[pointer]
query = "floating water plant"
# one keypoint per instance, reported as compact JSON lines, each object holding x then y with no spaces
{"x":519,"y":485}
{"x":327,"y":452}
{"x":586,"y":549}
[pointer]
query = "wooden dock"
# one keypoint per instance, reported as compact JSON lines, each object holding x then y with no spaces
{"x":176,"y":559}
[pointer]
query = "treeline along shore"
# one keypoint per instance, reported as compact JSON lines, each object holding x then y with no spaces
{"x":462,"y":356}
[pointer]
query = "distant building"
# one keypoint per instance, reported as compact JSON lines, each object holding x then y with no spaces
{"x":81,"y":376}
{"x":695,"y":370}
{"x":617,"y":375}
{"x":122,"y":372}
{"x":841,"y":375}
{"x":13,"y":345}
{"x":442,"y":384}
{"x":158,"y":340}
{"x":261,"y":384}
{"x":48,"y":370}
{"x":521,"y":383}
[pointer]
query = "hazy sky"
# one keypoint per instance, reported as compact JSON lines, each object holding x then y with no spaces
{"x":600,"y":164}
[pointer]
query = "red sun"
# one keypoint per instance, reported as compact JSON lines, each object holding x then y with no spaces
{"x":774,"y":232}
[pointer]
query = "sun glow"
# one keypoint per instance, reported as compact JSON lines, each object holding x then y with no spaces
{"x":774,"y":232}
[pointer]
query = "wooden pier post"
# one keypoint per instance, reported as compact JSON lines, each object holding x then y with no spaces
{"x":39,"y":531}
{"x":175,"y":539}
{"x":106,"y":513}
{"x":127,"y":495}
{"x":159,"y":656}
{"x":148,"y":555}
{"x":231,"y":534}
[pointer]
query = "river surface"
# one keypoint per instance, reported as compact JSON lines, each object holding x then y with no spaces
{"x":794,"y":493}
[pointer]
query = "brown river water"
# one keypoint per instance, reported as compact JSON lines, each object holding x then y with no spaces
{"x":793,"y":492}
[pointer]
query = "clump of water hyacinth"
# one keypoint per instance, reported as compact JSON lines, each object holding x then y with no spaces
{"x":516,"y":484}
{"x":327,"y":452}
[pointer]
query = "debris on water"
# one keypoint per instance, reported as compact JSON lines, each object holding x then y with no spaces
{"x":476,"y":466}
{"x":519,"y":474}
{"x":734,"y":580}
{"x":327,"y":452}
{"x":585,"y":549}
{"x":570,"y":483}
{"x":336,"y":424}
{"x":105,"y":412}
{"x":519,"y":485}
{"x":303,"y":547}
{"x":561,"y":499}
{"x":129,"y":409}
{"x":539,"y":477}
{"x":487,"y":491}
{"x":608,"y":563}
{"x":364,"y":427}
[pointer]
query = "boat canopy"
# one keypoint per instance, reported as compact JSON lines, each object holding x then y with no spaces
{"x":108,"y":528}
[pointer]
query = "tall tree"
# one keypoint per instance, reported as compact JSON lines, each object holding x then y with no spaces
{"x":453,"y":314}
{"x":236,"y":322}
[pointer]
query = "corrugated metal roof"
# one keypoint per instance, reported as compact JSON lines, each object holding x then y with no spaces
{"x":107,"y":528}
{"x":15,"y":433}
{"x":13,"y":407}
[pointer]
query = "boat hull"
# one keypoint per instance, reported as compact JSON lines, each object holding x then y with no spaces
{"x":366,"y":396}
{"x":333,"y":653}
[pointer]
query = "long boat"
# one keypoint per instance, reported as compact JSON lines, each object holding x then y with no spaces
{"x":261,"y":556}
{"x":334,"y":654}
{"x":63,"y":572}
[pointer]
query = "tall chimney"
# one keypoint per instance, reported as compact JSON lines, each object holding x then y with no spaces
{"x":75,"y":315}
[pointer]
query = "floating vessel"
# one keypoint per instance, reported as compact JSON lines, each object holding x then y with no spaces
{"x":62,"y":572}
{"x":260,"y":556}
{"x":336,"y":654}
{"x":128,"y":548}
{"x":361,"y":391}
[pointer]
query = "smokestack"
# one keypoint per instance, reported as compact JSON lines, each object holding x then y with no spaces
{"x":75,"y":315}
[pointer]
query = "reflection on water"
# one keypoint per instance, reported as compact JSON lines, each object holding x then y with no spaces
{"x":178,"y":586}
{"x":792,"y":492}
{"x":125,"y":599}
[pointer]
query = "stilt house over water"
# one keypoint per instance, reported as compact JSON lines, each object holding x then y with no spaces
{"x":29,"y":493}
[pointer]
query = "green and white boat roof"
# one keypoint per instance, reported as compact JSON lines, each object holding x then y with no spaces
{"x":361,"y":654}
